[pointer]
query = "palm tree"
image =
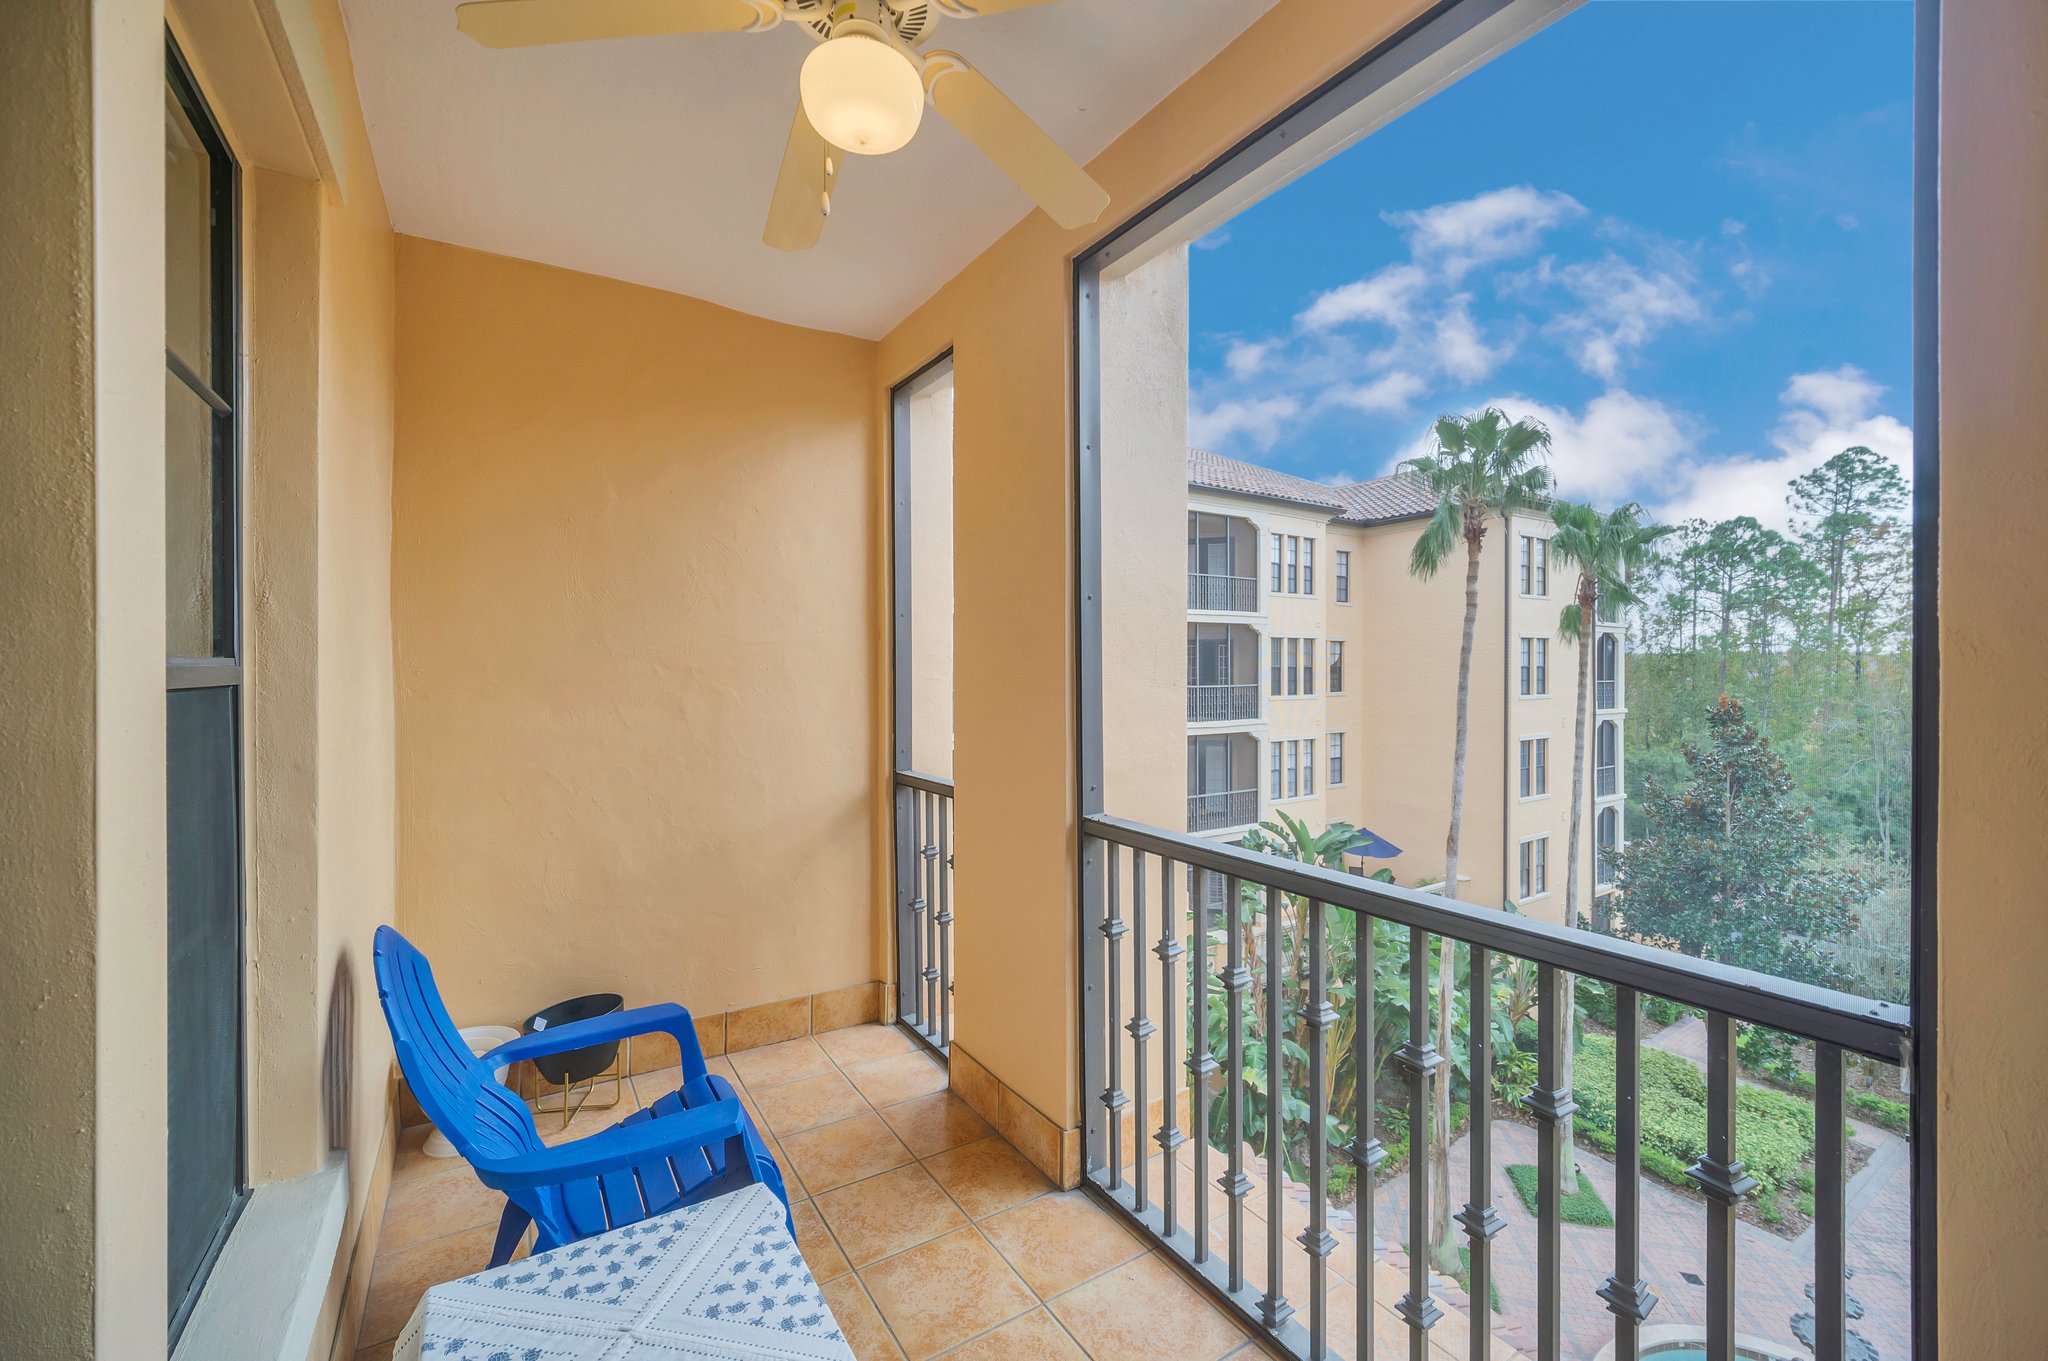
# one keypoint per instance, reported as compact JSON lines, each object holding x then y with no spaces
{"x":1607,"y":549}
{"x":1483,"y":466}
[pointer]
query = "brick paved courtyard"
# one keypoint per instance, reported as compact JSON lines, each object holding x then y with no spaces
{"x":1772,"y":1272}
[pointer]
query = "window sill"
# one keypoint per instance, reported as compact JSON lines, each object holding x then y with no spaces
{"x":264,"y":1295}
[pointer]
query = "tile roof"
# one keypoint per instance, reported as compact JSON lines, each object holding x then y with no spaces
{"x":1397,"y":497}
{"x":1218,"y":473}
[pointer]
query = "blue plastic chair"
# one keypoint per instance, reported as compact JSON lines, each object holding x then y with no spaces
{"x":688,"y":1146}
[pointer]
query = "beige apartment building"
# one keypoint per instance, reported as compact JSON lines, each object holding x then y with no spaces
{"x":1322,"y":682}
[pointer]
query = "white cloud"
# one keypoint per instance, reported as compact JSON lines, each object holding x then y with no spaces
{"x":1837,"y":396}
{"x":1384,"y":296}
{"x":1501,"y":223}
{"x":1390,"y":392}
{"x":1246,"y":357}
{"x":1622,"y":446}
{"x":1215,"y":240}
{"x":1826,"y":411}
{"x":1617,"y":449}
{"x":1460,"y":350}
{"x":1257,"y":419}
{"x":1621,"y":307}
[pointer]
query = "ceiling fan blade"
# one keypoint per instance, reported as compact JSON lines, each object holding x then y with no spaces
{"x":526,"y":23}
{"x":1007,"y":136}
{"x":967,"y":9}
{"x":796,"y":215}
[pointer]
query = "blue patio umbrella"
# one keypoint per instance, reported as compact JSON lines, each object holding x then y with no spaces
{"x":1372,"y":846}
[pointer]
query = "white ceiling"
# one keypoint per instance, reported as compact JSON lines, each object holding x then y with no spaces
{"x":652,"y":159}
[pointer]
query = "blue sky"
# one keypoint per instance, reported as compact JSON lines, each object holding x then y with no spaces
{"x":1678,"y":231}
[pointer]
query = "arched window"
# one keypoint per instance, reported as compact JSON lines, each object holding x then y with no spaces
{"x":1606,"y":747}
{"x":1607,"y":836}
{"x":1606,"y":670}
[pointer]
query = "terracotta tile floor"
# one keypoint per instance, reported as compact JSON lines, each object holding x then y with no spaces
{"x":929,"y":1234}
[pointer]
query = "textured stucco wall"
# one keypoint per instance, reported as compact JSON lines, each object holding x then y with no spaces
{"x":631,"y":582}
{"x":357,"y":792}
{"x":47,"y":992}
{"x":1993,"y":1213}
{"x":1007,"y":317}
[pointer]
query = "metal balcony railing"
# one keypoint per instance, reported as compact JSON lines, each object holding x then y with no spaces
{"x":1606,"y":781}
{"x":1604,"y":694}
{"x":924,"y":906}
{"x":1222,"y":593}
{"x":1185,"y":1051}
{"x":1230,"y":808}
{"x":1222,"y":703}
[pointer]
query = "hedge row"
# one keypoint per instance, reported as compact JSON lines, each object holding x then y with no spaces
{"x":1773,"y":1129}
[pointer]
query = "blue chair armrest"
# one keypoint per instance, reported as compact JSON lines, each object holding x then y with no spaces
{"x":623,"y":1146}
{"x":661,"y":1018}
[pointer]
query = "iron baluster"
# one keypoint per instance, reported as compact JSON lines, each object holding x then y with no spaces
{"x":1626,"y":1292}
{"x":1480,"y":1220}
{"x":1721,"y":1176}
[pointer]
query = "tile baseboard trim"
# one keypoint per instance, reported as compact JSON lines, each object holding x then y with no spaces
{"x":1044,"y":1142}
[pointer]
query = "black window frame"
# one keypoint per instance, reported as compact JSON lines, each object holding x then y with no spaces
{"x":219,"y":389}
{"x":1423,"y":56}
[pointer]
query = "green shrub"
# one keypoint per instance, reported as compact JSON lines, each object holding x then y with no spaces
{"x":1583,"y":1206}
{"x":1341,"y":1175}
{"x":1598,"y":1000}
{"x":1773,"y":1129}
{"x":1662,"y":1010}
{"x":1526,"y":1035}
{"x":1896,"y":1116}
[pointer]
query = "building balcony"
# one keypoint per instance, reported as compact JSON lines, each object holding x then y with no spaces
{"x":1223,"y":703}
{"x":1216,"y":811}
{"x":1220,"y":593}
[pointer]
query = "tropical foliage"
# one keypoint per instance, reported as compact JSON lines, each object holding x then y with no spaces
{"x":1480,"y":469}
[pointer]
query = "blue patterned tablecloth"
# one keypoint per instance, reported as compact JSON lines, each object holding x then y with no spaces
{"x":719,"y":1281}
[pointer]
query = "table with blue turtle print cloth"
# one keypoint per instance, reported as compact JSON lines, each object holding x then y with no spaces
{"x":720,"y":1281}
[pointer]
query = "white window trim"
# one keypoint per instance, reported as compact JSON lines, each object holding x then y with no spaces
{"x":1544,"y":693}
{"x":1531,"y":798}
{"x":1532,"y":897}
{"x":1331,"y":688}
{"x":1345,"y":758}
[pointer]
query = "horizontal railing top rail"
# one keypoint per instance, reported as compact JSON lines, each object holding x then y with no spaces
{"x":930,"y":784}
{"x":1881,"y":1030}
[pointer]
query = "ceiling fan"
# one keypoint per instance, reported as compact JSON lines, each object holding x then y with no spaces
{"x":862,"y":89}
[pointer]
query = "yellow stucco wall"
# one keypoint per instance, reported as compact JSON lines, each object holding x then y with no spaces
{"x":634,"y":637}
{"x":1006,"y":315}
{"x":505,"y":498}
{"x":1992,"y":1215}
{"x":48,"y":741}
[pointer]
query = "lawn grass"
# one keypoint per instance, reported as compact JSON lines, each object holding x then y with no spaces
{"x":1583,"y":1206}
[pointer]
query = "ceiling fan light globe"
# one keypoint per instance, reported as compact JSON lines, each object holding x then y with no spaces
{"x":861,"y":94}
